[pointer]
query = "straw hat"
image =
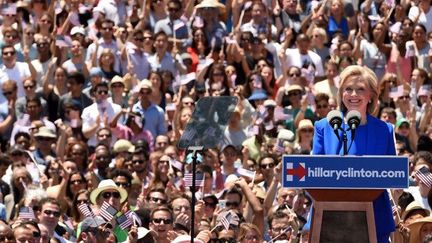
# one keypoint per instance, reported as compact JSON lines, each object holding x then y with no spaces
{"x":211,"y":4}
{"x":416,"y":227}
{"x":107,"y":185}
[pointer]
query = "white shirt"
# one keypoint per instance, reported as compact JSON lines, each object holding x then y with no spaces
{"x":140,"y":62}
{"x":92,"y":112}
{"x":294,"y":58}
{"x":18,"y":73}
{"x":424,"y":19}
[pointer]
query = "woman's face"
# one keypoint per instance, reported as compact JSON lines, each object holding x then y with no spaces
{"x":199,"y":36}
{"x":82,"y":198}
{"x":251,"y":237}
{"x":163,"y":164}
{"x":356,"y":94}
{"x":306,"y":134}
{"x":345,"y":50}
{"x":336,"y":7}
{"x":59,"y":75}
{"x":419,"y":34}
{"x":294,"y":74}
{"x":156,"y":81}
{"x":45,"y":22}
{"x":261,"y":64}
{"x":416,"y":76}
{"x":378,"y":30}
{"x":107,"y":58}
{"x":186,"y":114}
{"x":267,"y":74}
{"x":218,"y":76}
{"x":316,"y":38}
{"x":77,"y":183}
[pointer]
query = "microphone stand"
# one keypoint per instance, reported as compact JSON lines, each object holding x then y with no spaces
{"x":345,"y":142}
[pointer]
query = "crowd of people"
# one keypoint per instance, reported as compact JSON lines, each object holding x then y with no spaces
{"x":96,"y":94}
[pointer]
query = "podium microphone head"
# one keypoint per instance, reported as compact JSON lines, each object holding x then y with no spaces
{"x":353,"y":119}
{"x":334,"y":118}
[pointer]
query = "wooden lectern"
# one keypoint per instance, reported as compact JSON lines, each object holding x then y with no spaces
{"x":343,"y":216}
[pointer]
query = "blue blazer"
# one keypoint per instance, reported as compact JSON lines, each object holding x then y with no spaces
{"x":374,"y":138}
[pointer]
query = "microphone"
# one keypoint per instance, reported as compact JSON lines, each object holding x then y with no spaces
{"x":334,"y":118}
{"x":353,"y":119}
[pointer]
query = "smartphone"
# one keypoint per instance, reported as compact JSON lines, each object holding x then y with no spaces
{"x":222,"y":203}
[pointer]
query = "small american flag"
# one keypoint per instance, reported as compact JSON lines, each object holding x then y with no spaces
{"x":245,"y":172}
{"x":425,"y":176}
{"x":134,"y":217}
{"x":225,"y":221}
{"x":199,"y":179}
{"x":107,"y":211}
{"x":123,"y":221}
{"x":396,"y":92}
{"x":85,"y":209}
{"x":26,"y":213}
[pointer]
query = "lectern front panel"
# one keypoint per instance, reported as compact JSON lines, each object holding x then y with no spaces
{"x":344,"y":227}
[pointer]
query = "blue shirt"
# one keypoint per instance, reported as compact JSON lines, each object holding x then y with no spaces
{"x":154,"y":118}
{"x":374,"y":138}
{"x":333,"y":26}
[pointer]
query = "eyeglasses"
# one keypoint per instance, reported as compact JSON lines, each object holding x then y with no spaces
{"x":53,"y":213}
{"x":145,"y":92}
{"x":107,"y":195}
{"x":226,"y":240}
{"x":161,"y":221}
{"x":82,"y":201}
{"x":210,"y":204}
{"x":155,"y":200}
{"x":122,"y":184}
{"x":406,"y":97}
{"x":29,"y":86}
{"x":11,"y":36}
{"x":76,"y":182}
{"x":102,"y":92}
{"x":8,"y":53}
{"x":232,"y":204}
{"x":138,"y":161}
{"x":308,"y":130}
{"x":322,"y":106}
{"x":267,"y":166}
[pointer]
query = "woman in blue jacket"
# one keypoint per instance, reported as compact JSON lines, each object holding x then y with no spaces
{"x":359,"y":91}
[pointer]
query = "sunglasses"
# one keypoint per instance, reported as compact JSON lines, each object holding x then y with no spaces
{"x":102,"y":92}
{"x":107,"y":195}
{"x":163,"y":161}
{"x":155,"y":200}
{"x":144,"y":92}
{"x":162,"y":221}
{"x":138,"y":161}
{"x":232,"y":204}
{"x":139,"y":39}
{"x":28,"y":86}
{"x":8,"y":53}
{"x":268,"y":166}
{"x":406,"y":97}
{"x":107,"y":28}
{"x":294,"y":74}
{"x":117,"y":86}
{"x":44,"y":139}
{"x":173,"y":9}
{"x":122,"y":184}
{"x":42,"y":44}
{"x":147,"y":37}
{"x":6,"y":93}
{"x":53,"y":213}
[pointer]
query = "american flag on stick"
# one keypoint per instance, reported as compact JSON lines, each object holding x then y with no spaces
{"x":425,"y":176}
{"x":199,"y":179}
{"x":134,"y":217}
{"x":85,"y":209}
{"x":107,"y":211}
{"x":124,"y":221}
{"x":225,"y":221}
{"x":26,"y":213}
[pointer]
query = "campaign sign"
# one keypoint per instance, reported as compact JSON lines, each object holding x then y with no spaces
{"x":345,"y":172}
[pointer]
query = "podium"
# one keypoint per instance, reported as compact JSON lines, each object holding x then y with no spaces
{"x":352,"y":208}
{"x":343,"y":190}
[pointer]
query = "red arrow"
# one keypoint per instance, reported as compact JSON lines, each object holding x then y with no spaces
{"x":300,"y":172}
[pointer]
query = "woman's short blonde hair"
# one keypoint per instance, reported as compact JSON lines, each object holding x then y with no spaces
{"x":245,"y":228}
{"x":366,"y":75}
{"x":322,"y":32}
